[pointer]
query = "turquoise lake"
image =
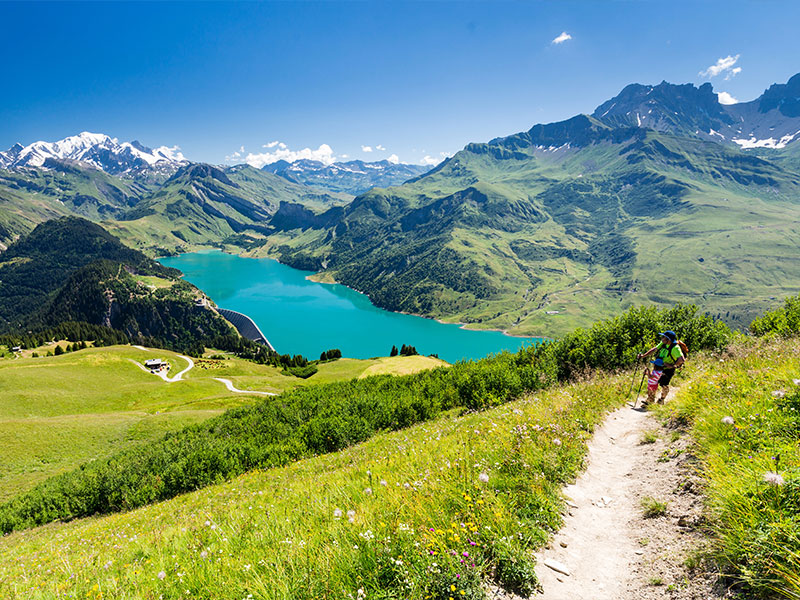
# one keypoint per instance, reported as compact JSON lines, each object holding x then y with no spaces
{"x":299,"y":316}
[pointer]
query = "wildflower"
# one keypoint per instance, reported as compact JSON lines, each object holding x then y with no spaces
{"x":773,"y":478}
{"x":556,"y":442}
{"x":727,"y":420}
{"x":383,"y":482}
{"x":368,"y":491}
{"x":778,"y":394}
{"x":483,"y":478}
{"x":161,"y":575}
{"x":203,"y":554}
{"x":351,"y":515}
{"x":337,"y":513}
{"x":796,"y":381}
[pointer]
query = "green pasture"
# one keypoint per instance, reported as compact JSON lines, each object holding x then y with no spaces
{"x":61,"y":411}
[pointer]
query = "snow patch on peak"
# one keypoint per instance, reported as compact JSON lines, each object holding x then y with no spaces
{"x":96,"y":149}
{"x":770,"y":142}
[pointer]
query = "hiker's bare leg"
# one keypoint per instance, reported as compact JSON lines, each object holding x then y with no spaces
{"x":651,"y":396}
{"x":664,"y":393}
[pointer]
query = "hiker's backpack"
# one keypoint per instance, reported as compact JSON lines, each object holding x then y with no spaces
{"x":684,"y":349}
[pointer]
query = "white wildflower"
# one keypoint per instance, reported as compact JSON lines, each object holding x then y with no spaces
{"x":796,"y":381}
{"x":337,"y":513}
{"x":483,"y":478}
{"x":383,"y":483}
{"x":778,"y":394}
{"x":351,"y":516}
{"x":204,"y":554}
{"x":728,"y":420}
{"x":556,"y":442}
{"x":773,"y":478}
{"x":367,"y":535}
{"x":368,"y":491}
{"x":162,"y":575}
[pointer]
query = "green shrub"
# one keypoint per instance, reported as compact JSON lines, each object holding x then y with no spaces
{"x":782,"y":321}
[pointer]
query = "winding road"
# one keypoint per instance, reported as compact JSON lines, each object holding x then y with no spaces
{"x":179,"y":377}
{"x":230,"y":386}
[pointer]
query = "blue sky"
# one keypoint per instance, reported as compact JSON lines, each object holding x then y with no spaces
{"x":405,"y":79}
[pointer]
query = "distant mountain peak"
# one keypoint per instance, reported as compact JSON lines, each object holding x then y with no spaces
{"x":97,"y":149}
{"x":353,"y":177}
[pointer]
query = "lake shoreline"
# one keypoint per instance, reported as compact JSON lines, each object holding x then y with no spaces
{"x":328,"y":280}
{"x":300,"y":315}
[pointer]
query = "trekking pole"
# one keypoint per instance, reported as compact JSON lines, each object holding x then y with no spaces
{"x":633,"y":381}
{"x":644,"y":375}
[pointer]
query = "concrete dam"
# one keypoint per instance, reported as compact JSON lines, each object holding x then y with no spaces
{"x":245,"y":326}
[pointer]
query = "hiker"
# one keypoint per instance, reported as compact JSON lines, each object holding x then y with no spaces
{"x":671,"y":356}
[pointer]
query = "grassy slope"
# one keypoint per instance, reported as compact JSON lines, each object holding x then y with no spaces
{"x":756,"y":525}
{"x":61,"y":411}
{"x":274,"y":534}
{"x":30,"y":196}
{"x":206,"y":206}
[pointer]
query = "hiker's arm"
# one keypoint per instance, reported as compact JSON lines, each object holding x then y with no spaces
{"x":679,"y":362}
{"x":648,"y":353}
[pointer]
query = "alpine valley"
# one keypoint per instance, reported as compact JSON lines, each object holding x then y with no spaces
{"x":662,"y":194}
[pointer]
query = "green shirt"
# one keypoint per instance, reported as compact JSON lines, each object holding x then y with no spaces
{"x":669,"y":355}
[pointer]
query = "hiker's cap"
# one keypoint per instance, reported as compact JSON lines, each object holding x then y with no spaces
{"x":670,"y":335}
{"x":659,"y":362}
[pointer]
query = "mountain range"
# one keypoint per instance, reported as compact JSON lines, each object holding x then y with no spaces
{"x":352,"y":177}
{"x":98,"y":150}
{"x":660,"y":194}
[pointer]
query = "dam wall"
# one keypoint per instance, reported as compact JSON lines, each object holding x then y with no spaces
{"x":245,"y":326}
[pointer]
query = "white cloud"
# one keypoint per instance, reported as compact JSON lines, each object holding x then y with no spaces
{"x":431,"y":161}
{"x":726,"y":98}
{"x":379,"y":147}
{"x":366,"y":148}
{"x":733,"y":73}
{"x":562,"y":38}
{"x":173,"y":153}
{"x":723,"y":65}
{"x":323,"y":154}
{"x":394,"y":159}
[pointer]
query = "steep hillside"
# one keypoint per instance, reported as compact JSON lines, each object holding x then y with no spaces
{"x":30,"y":195}
{"x":70,"y":269}
{"x":202,"y":204}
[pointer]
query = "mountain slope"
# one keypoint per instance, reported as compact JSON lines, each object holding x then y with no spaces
{"x":202,"y":204}
{"x":70,"y":269}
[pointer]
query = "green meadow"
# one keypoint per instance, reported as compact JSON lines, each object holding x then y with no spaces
{"x":61,"y":411}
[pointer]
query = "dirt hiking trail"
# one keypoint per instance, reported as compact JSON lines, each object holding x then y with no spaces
{"x":607,"y":548}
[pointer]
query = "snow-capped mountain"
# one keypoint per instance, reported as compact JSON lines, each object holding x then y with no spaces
{"x":352,"y":177}
{"x":770,"y":121}
{"x":96,"y":149}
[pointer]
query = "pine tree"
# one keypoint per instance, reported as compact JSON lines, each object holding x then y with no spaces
{"x":394,"y":351}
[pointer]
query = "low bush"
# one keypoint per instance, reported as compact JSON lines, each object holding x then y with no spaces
{"x":782,"y":321}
